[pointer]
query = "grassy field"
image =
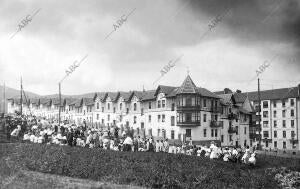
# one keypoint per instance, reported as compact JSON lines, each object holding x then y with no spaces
{"x":155,"y":170}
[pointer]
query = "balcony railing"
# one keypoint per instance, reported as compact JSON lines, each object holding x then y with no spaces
{"x":188,"y":107}
{"x":216,"y":124}
{"x":188,"y":123}
{"x":232,"y":130}
{"x":232,"y":116}
{"x":254,"y":136}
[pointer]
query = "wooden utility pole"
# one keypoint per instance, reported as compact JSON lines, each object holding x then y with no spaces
{"x":59,"y":108}
{"x":4,"y":99}
{"x":259,"y":112}
{"x":21,"y":101}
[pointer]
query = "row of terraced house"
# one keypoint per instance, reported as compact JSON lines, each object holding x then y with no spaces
{"x":185,"y":113}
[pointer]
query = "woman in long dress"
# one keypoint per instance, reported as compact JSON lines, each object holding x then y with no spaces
{"x":246,"y":156}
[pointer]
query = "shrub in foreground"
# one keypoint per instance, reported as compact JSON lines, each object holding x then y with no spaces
{"x":155,"y":170}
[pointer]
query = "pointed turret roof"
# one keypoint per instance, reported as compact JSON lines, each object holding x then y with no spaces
{"x":188,"y":86}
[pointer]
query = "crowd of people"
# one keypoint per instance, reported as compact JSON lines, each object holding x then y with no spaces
{"x":112,"y":138}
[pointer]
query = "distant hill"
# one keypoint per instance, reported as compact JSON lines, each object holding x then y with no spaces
{"x":86,"y":95}
{"x":13,"y":93}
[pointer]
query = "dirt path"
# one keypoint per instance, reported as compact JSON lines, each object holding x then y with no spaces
{"x":35,"y":180}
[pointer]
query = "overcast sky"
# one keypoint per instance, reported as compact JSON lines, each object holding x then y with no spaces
{"x":226,"y":54}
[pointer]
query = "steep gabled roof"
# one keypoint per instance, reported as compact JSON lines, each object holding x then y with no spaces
{"x":101,"y":95}
{"x":113,"y":95}
{"x":88,"y":101}
{"x":126,"y":95}
{"x":188,"y":86}
{"x":164,"y":89}
{"x":78,"y":103}
{"x":226,"y":99}
{"x":206,"y":93}
{"x":239,"y":97}
{"x":149,"y":95}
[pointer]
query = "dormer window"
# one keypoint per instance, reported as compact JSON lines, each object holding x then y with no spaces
{"x":159,"y":104}
{"x":134,"y":107}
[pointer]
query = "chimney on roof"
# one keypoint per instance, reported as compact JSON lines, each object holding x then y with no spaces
{"x":238,"y":91}
{"x":227,"y":91}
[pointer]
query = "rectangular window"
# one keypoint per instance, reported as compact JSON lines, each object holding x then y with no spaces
{"x":292,"y":123}
{"x":163,"y":102}
{"x":284,"y":145}
{"x":108,"y":117}
{"x":265,"y":104}
{"x":222,"y":138}
{"x":230,"y":138}
{"x":275,"y":113}
{"x":245,"y":130}
{"x":173,"y":107}
{"x":102,"y":109}
{"x":283,"y":123}
{"x":158,"y":104}
{"x":188,"y":133}
{"x":158,"y":132}
{"x":266,"y":134}
{"x":284,"y":134}
{"x":114,"y":110}
{"x":216,"y":132}
{"x":283,"y":113}
{"x":275,"y":123}
{"x":292,"y":113}
{"x":204,"y":103}
{"x":127,"y":110}
{"x":149,"y":118}
{"x":275,"y":144}
{"x":265,"y":123}
{"x":212,"y":133}
{"x":283,"y":103}
{"x":204,"y":132}
{"x":102,"y":121}
{"x":274,"y":104}
{"x":204,"y":117}
{"x":172,"y":134}
{"x":292,"y":102}
{"x":265,"y":114}
{"x":275,"y":134}
{"x":108,"y":106}
{"x":149,"y":105}
{"x":292,"y":134}
{"x":172,"y":120}
{"x":97,"y":116}
{"x":163,"y":117}
{"x":158,"y":118}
